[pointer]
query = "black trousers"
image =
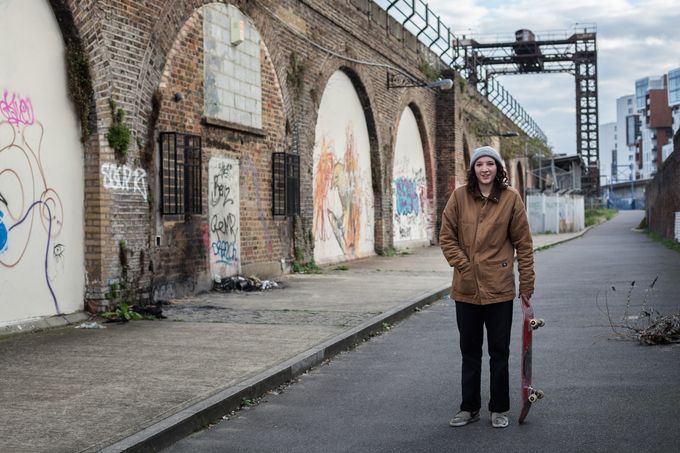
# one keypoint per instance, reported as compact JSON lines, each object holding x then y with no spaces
{"x":471,"y":320}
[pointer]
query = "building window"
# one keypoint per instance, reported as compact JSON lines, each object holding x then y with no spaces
{"x":285,"y":184}
{"x":674,"y":87}
{"x":180,"y":156}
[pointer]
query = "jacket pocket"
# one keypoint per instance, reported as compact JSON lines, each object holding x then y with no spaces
{"x":464,"y":282}
{"x":497,"y":278}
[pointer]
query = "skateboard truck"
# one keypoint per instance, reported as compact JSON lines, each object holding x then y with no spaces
{"x":535,"y":395}
{"x":536,"y":323}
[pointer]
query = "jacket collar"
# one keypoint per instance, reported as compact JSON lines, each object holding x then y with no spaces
{"x":494,"y":196}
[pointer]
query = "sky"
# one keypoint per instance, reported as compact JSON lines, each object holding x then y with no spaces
{"x":635,"y":39}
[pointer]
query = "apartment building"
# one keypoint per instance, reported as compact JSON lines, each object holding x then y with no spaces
{"x":651,"y":101}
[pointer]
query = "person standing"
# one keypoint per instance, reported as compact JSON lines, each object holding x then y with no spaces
{"x":483,"y":224}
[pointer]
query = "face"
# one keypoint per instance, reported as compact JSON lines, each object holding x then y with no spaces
{"x":485,"y":170}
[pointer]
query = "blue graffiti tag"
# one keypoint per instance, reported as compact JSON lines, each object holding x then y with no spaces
{"x":407,"y":196}
{"x":3,"y":233}
{"x":47,"y":247}
{"x":225,"y":251}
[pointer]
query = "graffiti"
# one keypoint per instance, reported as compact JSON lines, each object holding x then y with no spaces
{"x":47,"y":248}
{"x":122,"y":177}
{"x":224,"y":226}
{"x":225,"y":251}
{"x":408,"y":201}
{"x":17,"y":110}
{"x":58,"y":252}
{"x":3,"y":233}
{"x":412,"y":220}
{"x":24,"y":175}
{"x":223,"y":212}
{"x":221,"y":190}
{"x":342,"y":179}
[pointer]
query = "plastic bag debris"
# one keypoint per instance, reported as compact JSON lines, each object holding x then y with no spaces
{"x":240,"y":283}
{"x":90,"y":325}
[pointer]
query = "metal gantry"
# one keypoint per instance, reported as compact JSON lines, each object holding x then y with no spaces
{"x":417,"y":17}
{"x":574,"y":53}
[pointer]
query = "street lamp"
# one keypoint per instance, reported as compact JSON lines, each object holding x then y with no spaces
{"x":400,"y":80}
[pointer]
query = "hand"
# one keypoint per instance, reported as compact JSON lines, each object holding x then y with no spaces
{"x":526,"y":299}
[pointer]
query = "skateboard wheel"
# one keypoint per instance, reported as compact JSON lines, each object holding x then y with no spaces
{"x":540,"y":394}
{"x":536,"y":323}
{"x":533,"y":398}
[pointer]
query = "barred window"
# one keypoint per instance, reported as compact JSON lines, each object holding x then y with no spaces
{"x":285,"y":184}
{"x":180,"y":174}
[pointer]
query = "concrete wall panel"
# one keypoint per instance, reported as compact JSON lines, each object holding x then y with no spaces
{"x":343,"y":194}
{"x":42,"y":270}
{"x":412,"y":212}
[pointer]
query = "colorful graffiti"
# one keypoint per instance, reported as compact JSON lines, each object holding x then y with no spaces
{"x":341,"y":177}
{"x":26,"y":190}
{"x":223,"y":212}
{"x":408,"y":201}
{"x":17,"y":110}
{"x":122,"y":177}
{"x":411,"y":207}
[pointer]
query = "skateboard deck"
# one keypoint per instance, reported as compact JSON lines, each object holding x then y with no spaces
{"x":529,"y":394}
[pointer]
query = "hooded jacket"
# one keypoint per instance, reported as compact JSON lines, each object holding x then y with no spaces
{"x":479,"y":237}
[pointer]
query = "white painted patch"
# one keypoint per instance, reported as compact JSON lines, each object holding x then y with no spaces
{"x":224,"y":217}
{"x":412,"y":213}
{"x":42,"y":265}
{"x":343,"y":191}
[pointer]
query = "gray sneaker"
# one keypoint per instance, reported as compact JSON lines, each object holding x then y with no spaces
{"x":462,"y":418}
{"x":499,"y":420}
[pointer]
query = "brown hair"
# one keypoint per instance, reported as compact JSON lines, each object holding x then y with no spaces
{"x":501,"y":179}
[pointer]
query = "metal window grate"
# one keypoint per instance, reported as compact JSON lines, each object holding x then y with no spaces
{"x":279,"y":184}
{"x":180,"y":173}
{"x":285,"y":184}
{"x":192,"y":170}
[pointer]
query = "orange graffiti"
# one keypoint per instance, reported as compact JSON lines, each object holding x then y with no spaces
{"x":322,"y":185}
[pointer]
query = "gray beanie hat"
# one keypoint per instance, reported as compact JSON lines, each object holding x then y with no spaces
{"x":485,"y":151}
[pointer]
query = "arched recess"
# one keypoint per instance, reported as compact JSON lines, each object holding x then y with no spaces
{"x":236,"y":153}
{"x":411,"y":182}
{"x":42,"y":264}
{"x":344,"y":183}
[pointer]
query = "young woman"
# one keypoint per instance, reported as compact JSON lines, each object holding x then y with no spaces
{"x":483,"y":225}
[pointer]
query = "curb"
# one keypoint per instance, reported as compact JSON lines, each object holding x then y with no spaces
{"x":576,"y":236}
{"x":199,"y":415}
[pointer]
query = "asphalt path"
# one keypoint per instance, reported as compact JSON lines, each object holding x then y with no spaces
{"x":397,"y":392}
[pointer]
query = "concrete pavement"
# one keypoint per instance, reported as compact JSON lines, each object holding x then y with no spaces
{"x":143,"y":385}
{"x":397,"y":392}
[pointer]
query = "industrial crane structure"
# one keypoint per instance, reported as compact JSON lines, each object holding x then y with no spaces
{"x":567,"y":52}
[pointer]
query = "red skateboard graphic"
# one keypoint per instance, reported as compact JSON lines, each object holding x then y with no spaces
{"x":529,"y":394}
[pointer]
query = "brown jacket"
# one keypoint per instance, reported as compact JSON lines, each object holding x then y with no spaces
{"x":479,"y":237}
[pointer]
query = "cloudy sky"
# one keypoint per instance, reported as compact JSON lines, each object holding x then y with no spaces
{"x":635,"y":39}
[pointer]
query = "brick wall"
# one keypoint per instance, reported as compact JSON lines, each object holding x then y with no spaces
{"x":662,"y":196}
{"x":137,"y":49}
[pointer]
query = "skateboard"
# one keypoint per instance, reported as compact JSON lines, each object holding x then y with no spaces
{"x":529,"y":394}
